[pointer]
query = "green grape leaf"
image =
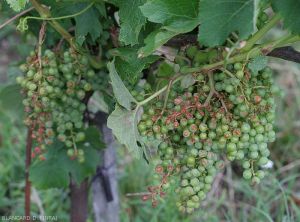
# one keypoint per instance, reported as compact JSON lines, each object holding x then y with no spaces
{"x":11,"y":100}
{"x":131,"y":20}
{"x":121,"y":93}
{"x":154,"y":40}
{"x":258,"y":63}
{"x":55,"y":171}
{"x":46,"y":174}
{"x":17,"y":5}
{"x":176,"y":17}
{"x":129,"y":66}
{"x":289,"y":10}
{"x":93,"y":136}
{"x":51,"y":172}
{"x":165,"y":70}
{"x":86,"y":24}
{"x":80,"y":171}
{"x":221,"y":17}
{"x":124,"y":126}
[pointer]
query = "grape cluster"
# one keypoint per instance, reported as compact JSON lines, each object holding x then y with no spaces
{"x":226,"y":115}
{"x":55,"y":86}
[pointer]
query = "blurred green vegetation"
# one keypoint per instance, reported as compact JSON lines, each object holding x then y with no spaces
{"x":276,"y":198}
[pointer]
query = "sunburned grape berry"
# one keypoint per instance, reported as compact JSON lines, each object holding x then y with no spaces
{"x":225,"y":114}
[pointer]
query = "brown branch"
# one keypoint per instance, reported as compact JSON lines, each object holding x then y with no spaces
{"x":287,"y":53}
{"x":27,"y":166}
{"x":79,"y":201}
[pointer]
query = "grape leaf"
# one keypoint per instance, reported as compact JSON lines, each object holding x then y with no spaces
{"x":258,"y":63}
{"x":124,"y":126}
{"x":51,"y":172}
{"x":93,"y":136}
{"x":55,"y":171}
{"x":11,"y":100}
{"x":121,"y":93}
{"x":17,"y":5}
{"x":176,"y":16}
{"x":165,"y":70}
{"x":289,"y":10}
{"x":221,"y":17}
{"x":46,"y":174}
{"x":129,"y":66}
{"x":154,"y":40}
{"x":131,"y":20}
{"x":86,"y":23}
{"x":80,"y":171}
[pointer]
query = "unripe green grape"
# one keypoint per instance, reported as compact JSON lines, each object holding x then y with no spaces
{"x":69,"y":143}
{"x":183,"y":122}
{"x":200,"y":77}
{"x":254,"y":155}
{"x":201,"y":195}
{"x":87,"y":87}
{"x":253,"y":147}
{"x":190,"y":161}
{"x":260,"y":174}
{"x":80,"y":94}
{"x":194,"y":182}
{"x":203,"y":136}
{"x":208,"y":179}
{"x":90,"y":73}
{"x":193,"y":152}
{"x":255,"y":180}
{"x":238,"y":66}
{"x":30,"y":73}
{"x":70,"y":152}
{"x":80,"y":136}
{"x":247,"y":174}
{"x":206,"y":88}
{"x":203,"y":127}
{"x":231,"y":147}
{"x":169,"y":151}
{"x":240,"y":74}
{"x":263,"y":161}
{"x":240,"y":155}
{"x":246,"y":164}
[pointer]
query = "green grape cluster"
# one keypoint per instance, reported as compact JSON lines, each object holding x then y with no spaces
{"x":225,"y":116}
{"x":55,"y":86}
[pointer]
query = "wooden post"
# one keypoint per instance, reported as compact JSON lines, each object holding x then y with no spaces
{"x":105,"y":184}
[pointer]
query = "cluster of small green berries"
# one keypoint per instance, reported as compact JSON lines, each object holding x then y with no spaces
{"x":55,"y":86}
{"x":139,"y":92}
{"x":224,"y":114}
